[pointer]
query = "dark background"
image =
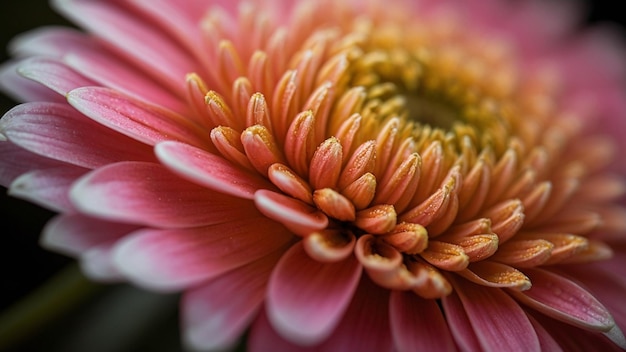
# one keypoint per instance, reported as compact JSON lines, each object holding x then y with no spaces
{"x":24,"y":266}
{"x":22,"y":263}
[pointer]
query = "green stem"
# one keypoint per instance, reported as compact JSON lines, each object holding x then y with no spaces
{"x":56,"y":297}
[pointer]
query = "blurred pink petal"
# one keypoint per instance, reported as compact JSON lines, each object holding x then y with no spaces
{"x":97,"y":264}
{"x":104,"y":68}
{"x":73,"y":234}
{"x":137,"y":39}
{"x":22,"y":89}
{"x":15,"y":161}
{"x":53,"y":74}
{"x":54,"y":42}
{"x":47,"y":187}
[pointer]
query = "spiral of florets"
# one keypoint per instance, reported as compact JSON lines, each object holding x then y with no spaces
{"x":416,"y":147}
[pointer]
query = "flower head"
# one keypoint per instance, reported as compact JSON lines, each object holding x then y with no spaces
{"x":354,"y":175}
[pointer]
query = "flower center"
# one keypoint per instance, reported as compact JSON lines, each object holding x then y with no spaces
{"x":432,"y":111}
{"x":414,"y":147}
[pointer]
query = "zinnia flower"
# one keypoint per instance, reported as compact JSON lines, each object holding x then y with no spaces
{"x":342,"y":176}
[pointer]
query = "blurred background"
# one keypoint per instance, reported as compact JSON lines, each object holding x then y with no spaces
{"x":95,"y":317}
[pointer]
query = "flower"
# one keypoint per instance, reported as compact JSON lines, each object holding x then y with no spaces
{"x":353,"y":176}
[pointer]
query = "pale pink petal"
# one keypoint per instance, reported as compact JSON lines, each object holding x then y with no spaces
{"x":365,"y":326}
{"x":550,"y":20}
{"x":47,"y":187}
{"x":57,"y":131}
{"x":417,"y":324}
{"x":216,"y":314}
{"x":97,"y":264}
{"x":562,"y":299}
{"x":73,"y":234}
{"x":148,"y":194}
{"x":15,"y":161}
{"x":498,"y":321}
{"x":597,"y":56}
{"x":175,"y":259}
{"x":617,"y":264}
{"x":178,"y":19}
{"x":139,"y":41}
{"x":22,"y":89}
{"x":306,"y":298}
{"x":53,"y":74}
{"x":50,"y":41}
{"x":142,"y":121}
{"x":105,"y":68}
{"x":209,"y":170}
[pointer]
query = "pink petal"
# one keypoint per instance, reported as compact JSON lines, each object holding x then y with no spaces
{"x":209,"y":170}
{"x":148,"y":194}
{"x":459,"y":323}
{"x":546,"y":340}
{"x":264,"y":338}
{"x":53,"y":74}
{"x":174,"y":259}
{"x":498,"y":321}
{"x":22,"y":89}
{"x":140,"y":42}
{"x":550,"y":22}
{"x":15,"y":161}
{"x":418,"y":324}
{"x":106,"y":69}
{"x":73,"y":234}
{"x":365,"y":326}
{"x":57,"y":131}
{"x":97,"y":264}
{"x":595,"y":278}
{"x":571,"y":338}
{"x":306,"y":298}
{"x":176,"y":19}
{"x":216,"y":314}
{"x":50,"y":41}
{"x":147,"y":123}
{"x":562,"y":299}
{"x":47,"y":187}
{"x":296,"y":215}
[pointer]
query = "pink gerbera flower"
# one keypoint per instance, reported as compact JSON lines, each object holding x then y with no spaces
{"x":341,"y":176}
